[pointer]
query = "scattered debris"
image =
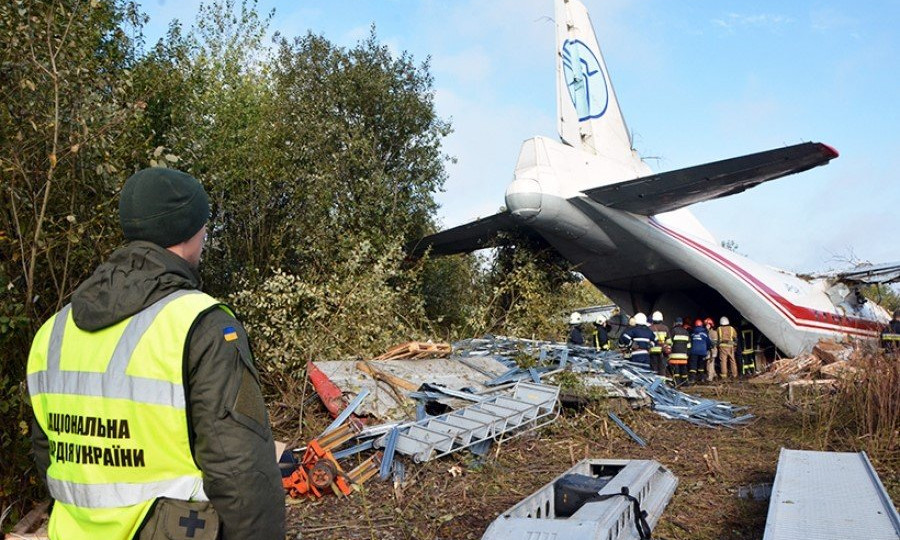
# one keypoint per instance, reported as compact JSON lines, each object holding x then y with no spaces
{"x":829,"y":351}
{"x":788,"y":369}
{"x":828,"y":359}
{"x":602,"y":369}
{"x":626,"y":429}
{"x":595,"y":499}
{"x":319,"y":471}
{"x":390,"y":382}
{"x":829,"y":496}
{"x":818,"y":384}
{"x":528,"y":407}
{"x":415,"y":350}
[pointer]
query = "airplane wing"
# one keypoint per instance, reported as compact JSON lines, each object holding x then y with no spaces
{"x":468,"y":237}
{"x":675,"y":189}
{"x":881,"y":273}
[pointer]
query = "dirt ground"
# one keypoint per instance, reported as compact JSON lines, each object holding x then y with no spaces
{"x":456,"y":497}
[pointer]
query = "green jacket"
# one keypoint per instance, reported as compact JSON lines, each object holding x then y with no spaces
{"x":231,"y":442}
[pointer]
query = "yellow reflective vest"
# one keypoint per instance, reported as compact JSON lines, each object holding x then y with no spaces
{"x":112,"y":404}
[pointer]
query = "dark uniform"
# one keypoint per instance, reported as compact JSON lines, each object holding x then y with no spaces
{"x":700,"y":347}
{"x":890,"y":338}
{"x":640,"y":339}
{"x":678,"y":358}
{"x":748,"y":348}
{"x":601,"y":336}
{"x":576,"y":337}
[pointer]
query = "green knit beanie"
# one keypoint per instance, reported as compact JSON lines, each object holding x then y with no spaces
{"x":163,"y":206}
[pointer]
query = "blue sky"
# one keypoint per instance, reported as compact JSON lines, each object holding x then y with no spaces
{"x":697,"y":81}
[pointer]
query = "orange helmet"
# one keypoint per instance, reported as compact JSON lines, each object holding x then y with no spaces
{"x":708,"y":321}
{"x":698,"y":322}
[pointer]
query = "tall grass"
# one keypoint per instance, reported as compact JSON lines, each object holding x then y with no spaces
{"x":864,"y":412}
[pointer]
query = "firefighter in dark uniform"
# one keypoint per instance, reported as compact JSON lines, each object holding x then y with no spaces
{"x":601,"y":334}
{"x":700,"y":347}
{"x":663,"y":340}
{"x":640,"y":339}
{"x":890,"y":338}
{"x":748,"y":348}
{"x":576,"y":336}
{"x":678,"y":358}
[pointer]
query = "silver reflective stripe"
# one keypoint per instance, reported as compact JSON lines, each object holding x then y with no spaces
{"x":114,"y":382}
{"x":85,"y":383}
{"x":186,"y":488}
{"x":54,"y":350}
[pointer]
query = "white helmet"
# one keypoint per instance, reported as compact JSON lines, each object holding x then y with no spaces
{"x":601,"y":320}
{"x":640,"y":319}
{"x":575,"y":318}
{"x":723,"y":321}
{"x":657,"y":316}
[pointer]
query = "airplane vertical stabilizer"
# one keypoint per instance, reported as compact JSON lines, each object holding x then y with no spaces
{"x":588,"y":111}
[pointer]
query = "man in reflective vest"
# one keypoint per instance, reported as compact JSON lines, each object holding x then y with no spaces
{"x":149,"y":420}
{"x":663,"y":340}
{"x":890,"y":337}
{"x":727,"y":343}
{"x":678,"y":358}
{"x":601,"y":334}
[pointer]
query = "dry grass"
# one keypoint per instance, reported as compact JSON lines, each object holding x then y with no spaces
{"x":864,"y":412}
{"x":434,"y":504}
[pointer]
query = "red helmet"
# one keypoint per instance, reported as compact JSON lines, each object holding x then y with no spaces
{"x":698,"y":322}
{"x":709,"y":321}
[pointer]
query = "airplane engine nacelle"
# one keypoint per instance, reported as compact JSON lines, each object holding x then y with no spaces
{"x":533,"y":198}
{"x":523,"y":198}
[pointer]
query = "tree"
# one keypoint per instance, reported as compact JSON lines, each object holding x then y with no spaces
{"x":66,"y":120}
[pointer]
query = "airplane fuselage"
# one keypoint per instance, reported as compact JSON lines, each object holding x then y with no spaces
{"x":669,"y":261}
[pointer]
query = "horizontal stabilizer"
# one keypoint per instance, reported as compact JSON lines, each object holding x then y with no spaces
{"x":465,"y":238}
{"x":672,"y":190}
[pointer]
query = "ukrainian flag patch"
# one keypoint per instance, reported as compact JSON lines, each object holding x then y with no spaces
{"x":229,"y":333}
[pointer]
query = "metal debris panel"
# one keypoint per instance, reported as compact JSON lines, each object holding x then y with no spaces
{"x":537,"y":517}
{"x":829,"y":496}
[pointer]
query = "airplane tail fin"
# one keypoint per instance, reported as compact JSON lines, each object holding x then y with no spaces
{"x":588,"y":111}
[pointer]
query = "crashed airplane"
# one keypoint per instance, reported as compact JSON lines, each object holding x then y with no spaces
{"x":627,"y":230}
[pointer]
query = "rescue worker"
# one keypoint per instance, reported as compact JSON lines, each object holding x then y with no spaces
{"x":678,"y":358}
{"x":149,"y":420}
{"x":700,"y":346}
{"x":727,"y":342}
{"x":601,"y":334}
{"x":890,"y":337}
{"x":709,"y":369}
{"x":663,"y":339}
{"x":576,"y":336}
{"x":640,"y":339}
{"x":748,"y":348}
{"x":625,"y":344}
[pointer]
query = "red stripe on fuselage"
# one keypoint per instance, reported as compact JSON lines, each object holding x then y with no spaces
{"x":797,"y":315}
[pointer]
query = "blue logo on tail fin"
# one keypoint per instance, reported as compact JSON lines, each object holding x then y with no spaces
{"x":585,"y":80}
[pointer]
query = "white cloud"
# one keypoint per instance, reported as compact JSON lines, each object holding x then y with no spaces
{"x":732,"y":21}
{"x":826,"y":19}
